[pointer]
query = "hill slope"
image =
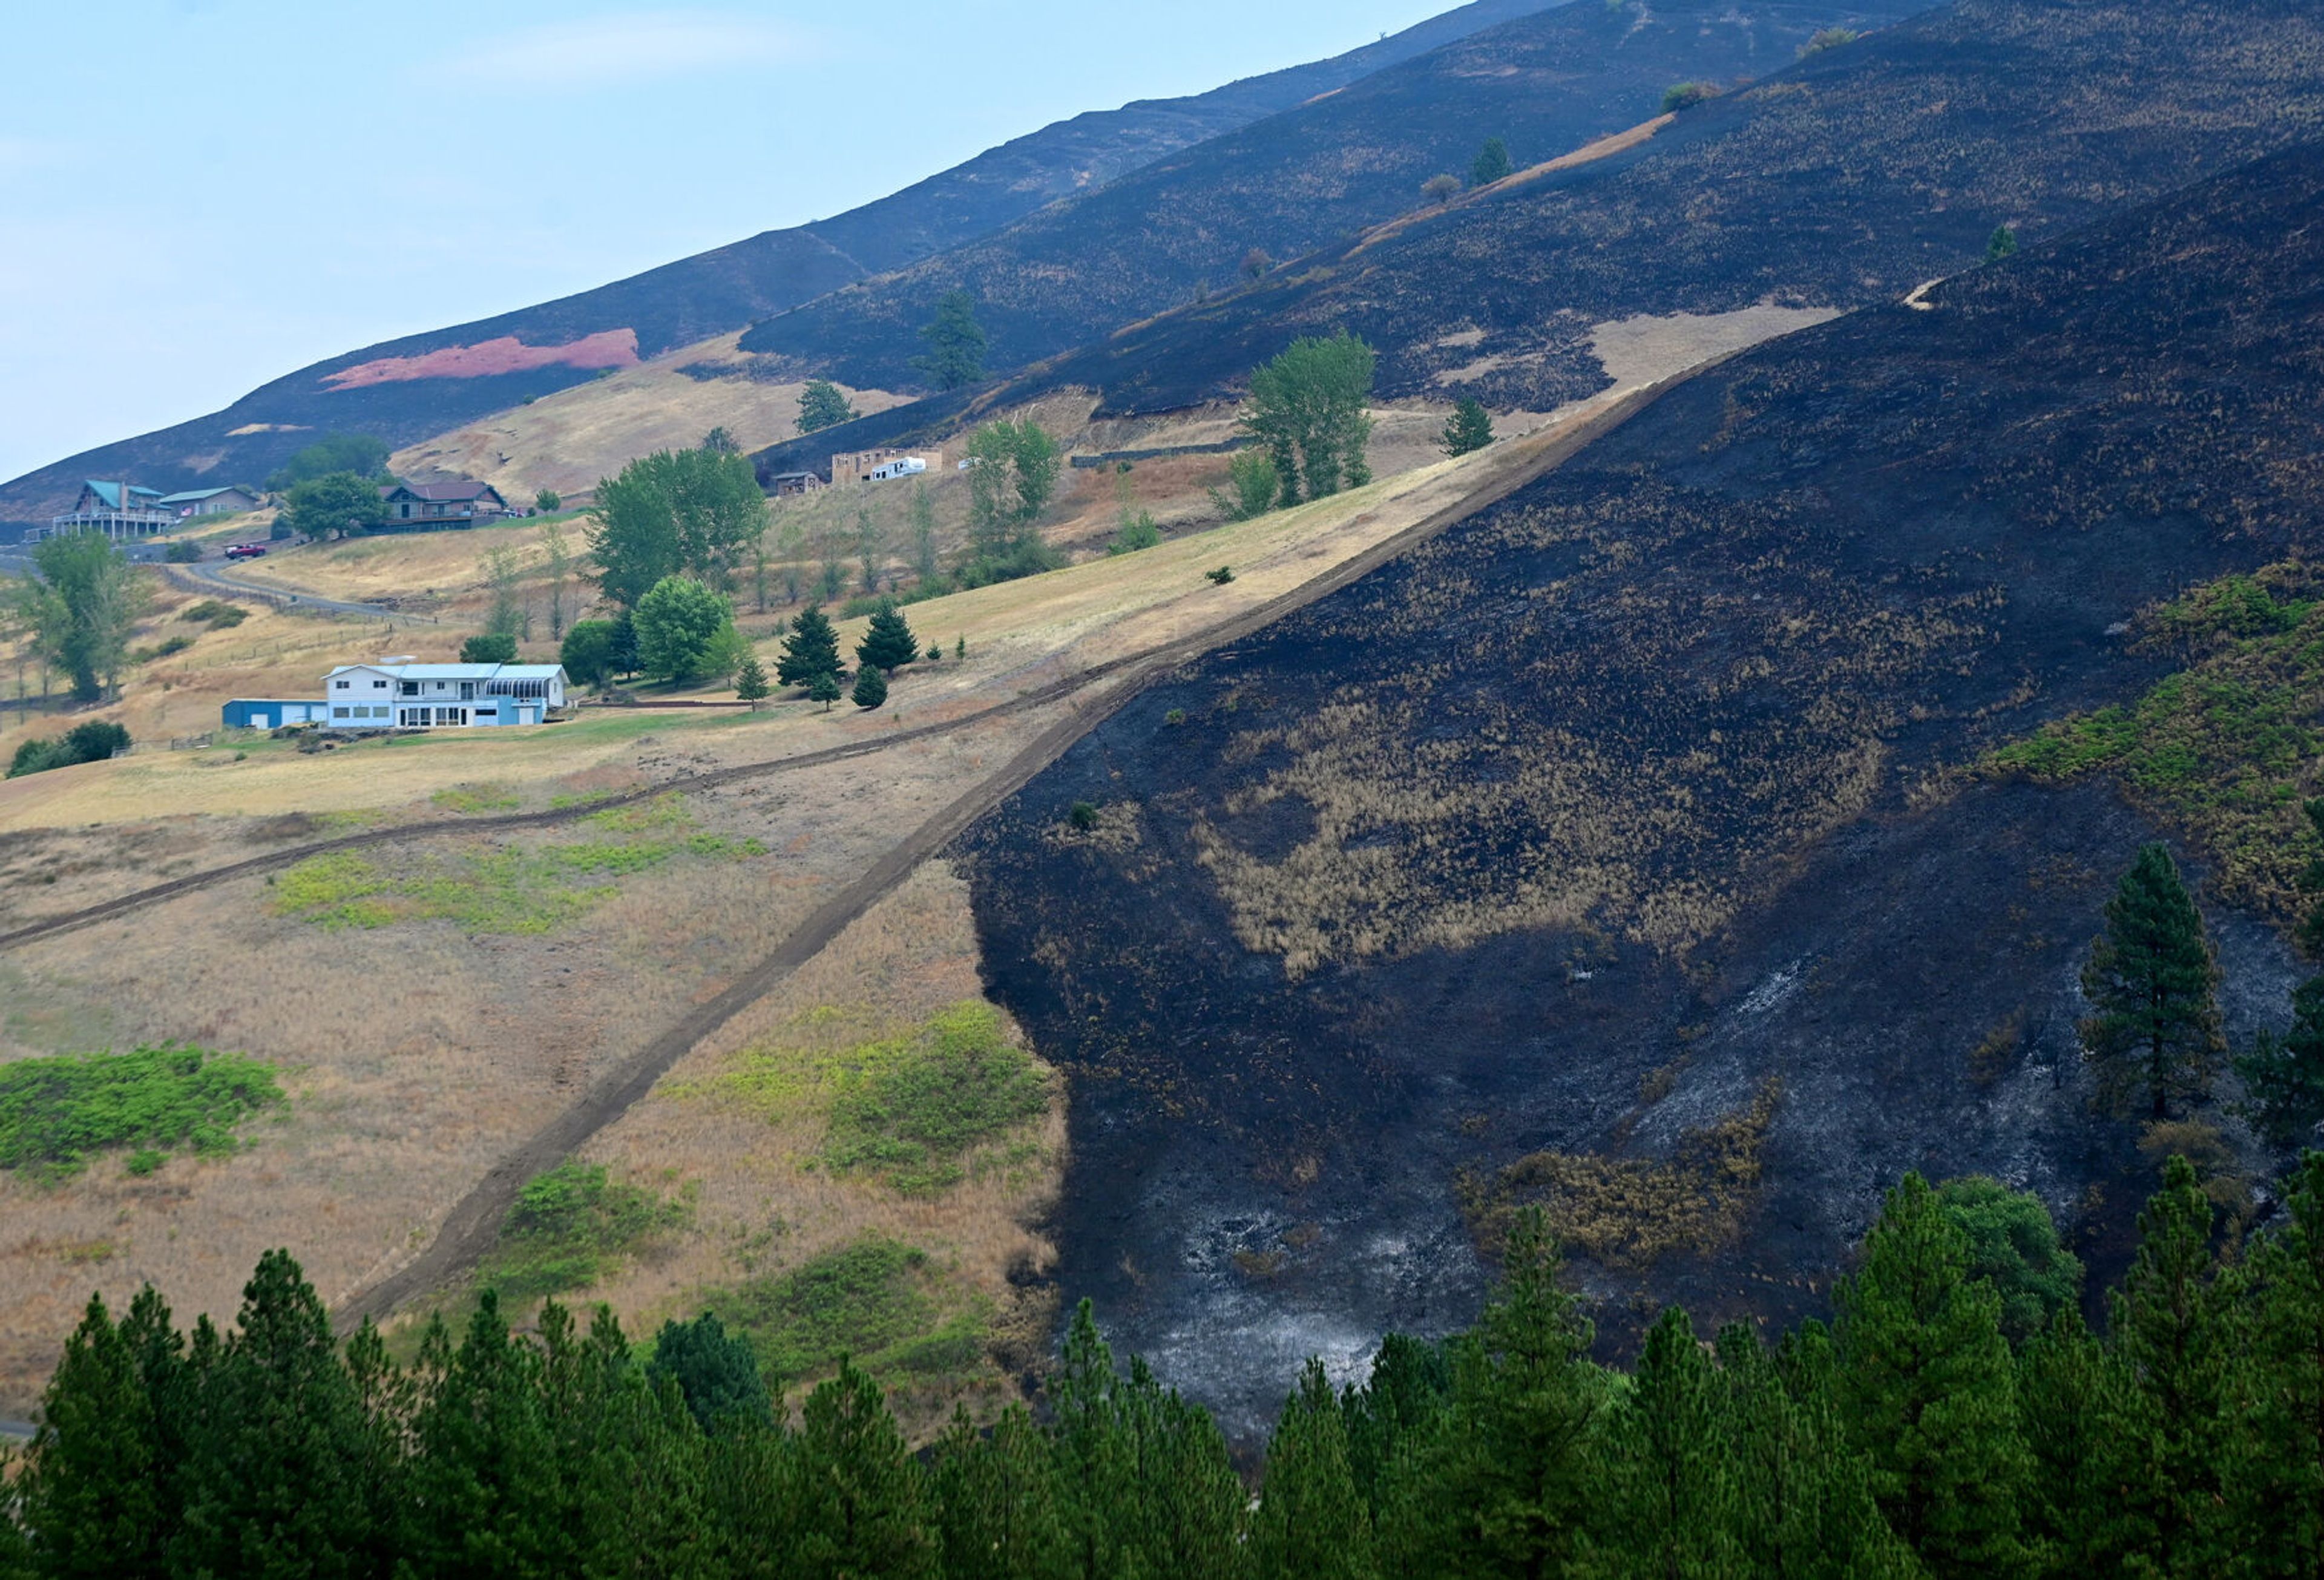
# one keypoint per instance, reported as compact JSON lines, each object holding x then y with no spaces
{"x":557,"y":343}
{"x":1849,"y":178}
{"x":1545,"y":84}
{"x":1611,"y":849}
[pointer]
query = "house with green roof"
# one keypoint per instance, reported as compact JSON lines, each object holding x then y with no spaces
{"x":118,"y":509}
{"x":210,"y":501}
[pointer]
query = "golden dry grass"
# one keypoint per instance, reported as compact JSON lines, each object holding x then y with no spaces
{"x":765,"y":1207}
{"x":572,"y":439}
{"x":416,"y":1055}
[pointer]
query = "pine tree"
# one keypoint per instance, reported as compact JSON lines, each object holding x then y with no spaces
{"x":1491,"y":164}
{"x":2283,"y":1076}
{"x":1803,"y":1508}
{"x":997,"y":1501}
{"x":888,"y":643}
{"x":2168,"y":1328}
{"x":1469,"y":427}
{"x":862,"y":1505}
{"x":2278,"y":1485}
{"x":2151,"y":979}
{"x":1671,"y":1509}
{"x":871,"y":688}
{"x":272,"y":1478}
{"x":89,"y":1499}
{"x":1390,"y":1421}
{"x":956,"y":342}
{"x":751,"y":683}
{"x":811,"y":649}
{"x":823,"y":689}
{"x":1927,"y":1388}
{"x":482,"y":1490}
{"x":717,"y":1374}
{"x":1514,"y":1474}
{"x":2090,"y":1502}
{"x":1311,"y":1521}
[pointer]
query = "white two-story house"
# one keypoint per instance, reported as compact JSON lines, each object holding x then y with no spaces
{"x":398,"y":695}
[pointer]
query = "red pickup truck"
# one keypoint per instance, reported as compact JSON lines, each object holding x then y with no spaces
{"x":245,"y":551}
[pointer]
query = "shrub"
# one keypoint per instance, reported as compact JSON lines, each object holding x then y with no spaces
{"x":569,"y":1226}
{"x":1175,"y":717}
{"x":1685,"y":95}
{"x":1440,"y":189}
{"x":488,"y":648}
{"x":1137,"y":532}
{"x":1256,"y":482}
{"x":182,"y":553}
{"x":1221,"y":576}
{"x":866,"y":1300}
{"x":911,"y":1111}
{"x":547,"y":500}
{"x":56,"y":1111}
{"x":1082,"y":816}
{"x":92,"y":742}
{"x":216,"y":613}
{"x":1830,"y":38}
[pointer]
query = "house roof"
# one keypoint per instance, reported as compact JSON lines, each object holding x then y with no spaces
{"x":439,"y":493}
{"x":455,"y":671}
{"x":194,"y":496}
{"x":110,"y":492}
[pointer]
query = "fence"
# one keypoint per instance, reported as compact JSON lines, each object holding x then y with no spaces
{"x":1109,"y":457}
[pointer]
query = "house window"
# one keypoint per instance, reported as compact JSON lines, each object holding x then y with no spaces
{"x":340,"y":685}
{"x":379,"y":685}
{"x":338,"y":712}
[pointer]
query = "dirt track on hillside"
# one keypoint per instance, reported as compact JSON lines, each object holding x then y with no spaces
{"x":470,"y":1228}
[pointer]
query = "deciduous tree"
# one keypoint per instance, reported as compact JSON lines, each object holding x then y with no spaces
{"x":679,"y":622}
{"x":338,"y":503}
{"x":683,"y":512}
{"x":1306,"y":408}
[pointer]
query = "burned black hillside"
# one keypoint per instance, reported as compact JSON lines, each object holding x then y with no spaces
{"x":1617,"y":847}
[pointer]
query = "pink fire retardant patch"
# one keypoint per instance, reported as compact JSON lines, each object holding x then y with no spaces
{"x":608,"y":348}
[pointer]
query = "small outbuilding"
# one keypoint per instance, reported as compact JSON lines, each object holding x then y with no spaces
{"x":273,"y":712}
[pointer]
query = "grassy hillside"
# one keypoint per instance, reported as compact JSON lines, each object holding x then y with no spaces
{"x":1622,"y":849}
{"x":1182,"y":225}
{"x":712,"y":293}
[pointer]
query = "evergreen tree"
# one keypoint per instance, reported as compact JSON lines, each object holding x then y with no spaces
{"x":823,"y":689}
{"x":622,"y":650}
{"x":2092,"y":1497}
{"x":1671,"y":1508}
{"x":861,"y":1506}
{"x":1390,"y":1419}
{"x":482,"y":1500}
{"x":1469,"y":427}
{"x":1927,"y":1388}
{"x":2283,"y":1076}
{"x":956,"y":342}
{"x":821,"y":406}
{"x":1514,"y":1476}
{"x":89,"y":1497}
{"x":1803,"y":1507}
{"x":1311,"y":1521}
{"x":998,"y":1503}
{"x":888,"y":643}
{"x":628,"y":1455}
{"x":2168,"y":1329}
{"x":272,"y":1478}
{"x":717,"y":1372}
{"x":2151,"y":979}
{"x":2002,"y":243}
{"x":1491,"y":164}
{"x":871,"y":688}
{"x":751,"y":683}
{"x":2278,"y":1487}
{"x":811,"y":649}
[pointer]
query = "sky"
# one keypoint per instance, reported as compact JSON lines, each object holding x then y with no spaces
{"x":199,"y":196}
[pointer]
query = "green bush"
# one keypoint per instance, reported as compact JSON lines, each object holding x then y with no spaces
{"x":56,"y":1111}
{"x":215,"y":613}
{"x":869,"y":1301}
{"x":1685,"y":95}
{"x":569,"y":1226}
{"x":911,"y":1112}
{"x":92,"y":742}
{"x":488,"y":648}
{"x":184,"y":552}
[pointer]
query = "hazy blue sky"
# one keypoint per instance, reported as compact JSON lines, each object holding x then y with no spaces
{"x":196,"y":196}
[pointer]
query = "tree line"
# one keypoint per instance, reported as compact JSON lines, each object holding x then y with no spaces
{"x":1909,"y":1436}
